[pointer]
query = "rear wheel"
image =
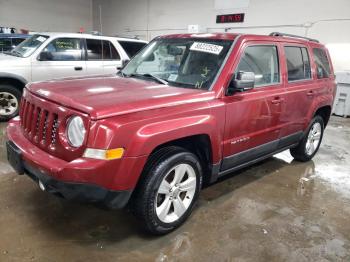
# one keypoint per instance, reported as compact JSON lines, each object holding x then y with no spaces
{"x":10,"y":98}
{"x":169,"y":189}
{"x":309,"y":145}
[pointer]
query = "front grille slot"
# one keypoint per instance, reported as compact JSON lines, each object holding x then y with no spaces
{"x":39,"y":125}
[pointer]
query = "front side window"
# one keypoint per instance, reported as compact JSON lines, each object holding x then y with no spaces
{"x":322,"y":63}
{"x":63,"y":49}
{"x":263,"y":62}
{"x":28,"y":46}
{"x":298,"y":63}
{"x":183,"y":62}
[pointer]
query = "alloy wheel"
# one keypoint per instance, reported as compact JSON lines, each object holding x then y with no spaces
{"x":176,"y":193}
{"x":313,"y":139}
{"x":8,"y":104}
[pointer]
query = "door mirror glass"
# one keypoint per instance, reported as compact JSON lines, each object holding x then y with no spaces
{"x":124,"y":63}
{"x":242,"y":81}
{"x":45,"y":56}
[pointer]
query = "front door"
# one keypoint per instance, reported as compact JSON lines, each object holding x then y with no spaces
{"x":62,"y":57}
{"x":253,"y":117}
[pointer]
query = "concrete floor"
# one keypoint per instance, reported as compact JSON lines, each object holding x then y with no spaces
{"x":279,"y":210}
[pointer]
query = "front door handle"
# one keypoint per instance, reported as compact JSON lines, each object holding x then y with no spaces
{"x":78,"y":68}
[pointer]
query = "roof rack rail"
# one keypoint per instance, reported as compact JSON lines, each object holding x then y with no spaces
{"x":128,"y":37}
{"x":293,"y":36}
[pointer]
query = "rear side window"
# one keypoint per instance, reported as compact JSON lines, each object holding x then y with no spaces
{"x":17,"y":41}
{"x":5,"y":44}
{"x":101,"y":50}
{"x":298,"y":63}
{"x":263,"y":62}
{"x":64,"y":49}
{"x":131,"y":48}
{"x":322,"y":63}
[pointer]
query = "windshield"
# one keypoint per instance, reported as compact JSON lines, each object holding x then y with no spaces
{"x":183,"y":62}
{"x":28,"y":47}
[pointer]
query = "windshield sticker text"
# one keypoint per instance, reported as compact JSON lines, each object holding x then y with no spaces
{"x":207,"y":48}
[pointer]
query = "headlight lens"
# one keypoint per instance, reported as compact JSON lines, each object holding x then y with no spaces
{"x":76,"y":131}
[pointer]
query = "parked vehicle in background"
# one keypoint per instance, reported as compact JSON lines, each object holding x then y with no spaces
{"x":59,"y":55}
{"x":186,"y":110}
{"x":10,"y":41}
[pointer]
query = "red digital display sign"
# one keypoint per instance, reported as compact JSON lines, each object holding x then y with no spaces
{"x":231,"y":18}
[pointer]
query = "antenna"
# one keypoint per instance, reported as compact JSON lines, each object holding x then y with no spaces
{"x":100,"y":8}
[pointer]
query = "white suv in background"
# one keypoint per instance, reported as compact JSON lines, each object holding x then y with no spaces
{"x":47,"y":56}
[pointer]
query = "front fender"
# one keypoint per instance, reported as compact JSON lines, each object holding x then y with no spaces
{"x":140,"y":139}
{"x":148,"y":137}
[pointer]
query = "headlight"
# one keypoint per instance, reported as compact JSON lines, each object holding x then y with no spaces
{"x":76,"y":131}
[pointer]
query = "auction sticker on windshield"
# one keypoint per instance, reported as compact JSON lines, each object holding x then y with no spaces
{"x":207,"y":48}
{"x":41,"y":39}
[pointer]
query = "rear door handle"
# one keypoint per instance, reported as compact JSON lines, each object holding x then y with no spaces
{"x":277,"y":100}
{"x":78,"y":68}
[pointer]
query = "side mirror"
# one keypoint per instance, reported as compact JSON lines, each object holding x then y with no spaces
{"x":242,"y":81}
{"x":124,"y":63}
{"x":45,"y":56}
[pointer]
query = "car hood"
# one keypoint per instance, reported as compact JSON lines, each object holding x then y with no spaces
{"x":103,"y":97}
{"x":9,"y":60}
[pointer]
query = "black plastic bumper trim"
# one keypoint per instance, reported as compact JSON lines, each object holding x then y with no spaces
{"x":79,"y":191}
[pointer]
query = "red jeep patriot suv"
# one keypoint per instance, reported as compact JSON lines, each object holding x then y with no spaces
{"x":185,"y":110}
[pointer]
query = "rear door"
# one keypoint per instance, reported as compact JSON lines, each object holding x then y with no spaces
{"x":253,"y":117}
{"x":300,"y":91}
{"x":62,"y":57}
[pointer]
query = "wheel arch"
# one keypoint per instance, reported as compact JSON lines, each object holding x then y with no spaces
{"x":14,"y":80}
{"x":200,"y":145}
{"x":325,"y":113}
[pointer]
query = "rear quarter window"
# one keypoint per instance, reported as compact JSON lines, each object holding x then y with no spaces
{"x":322,"y":63}
{"x":132,"y":48}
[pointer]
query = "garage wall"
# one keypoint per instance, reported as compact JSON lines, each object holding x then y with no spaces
{"x":47,"y":15}
{"x":149,"y":18}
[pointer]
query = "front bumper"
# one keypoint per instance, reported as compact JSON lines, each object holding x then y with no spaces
{"x":71,"y":191}
{"x":110,"y":182}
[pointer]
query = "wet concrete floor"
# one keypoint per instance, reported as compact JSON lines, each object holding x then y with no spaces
{"x":278,"y":210}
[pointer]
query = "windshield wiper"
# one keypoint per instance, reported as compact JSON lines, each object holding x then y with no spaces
{"x":148,"y":75}
{"x":160,"y":80}
{"x":15,"y":53}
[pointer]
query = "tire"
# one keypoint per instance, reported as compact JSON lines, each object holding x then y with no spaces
{"x":307,"y":148}
{"x":160,"y":210}
{"x":10,"y":98}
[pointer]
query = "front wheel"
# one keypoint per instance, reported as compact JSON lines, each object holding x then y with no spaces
{"x":168,"y":190}
{"x":309,"y":145}
{"x":10,"y":97}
